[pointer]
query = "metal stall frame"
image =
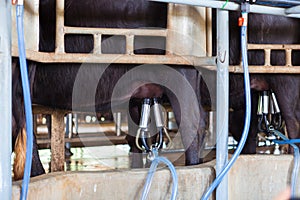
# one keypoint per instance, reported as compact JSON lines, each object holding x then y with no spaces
{"x":5,"y":99}
{"x":222,"y":100}
{"x":267,"y":67}
{"x":223,"y":70}
{"x":193,"y":50}
{"x":170,"y":58}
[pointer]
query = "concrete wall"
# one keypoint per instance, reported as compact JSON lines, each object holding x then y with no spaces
{"x":125,"y":184}
{"x":258,"y":177}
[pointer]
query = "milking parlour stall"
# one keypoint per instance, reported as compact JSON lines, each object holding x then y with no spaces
{"x":138,"y":99}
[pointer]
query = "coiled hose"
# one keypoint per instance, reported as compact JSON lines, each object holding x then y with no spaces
{"x":27,"y":100}
{"x":242,"y":142}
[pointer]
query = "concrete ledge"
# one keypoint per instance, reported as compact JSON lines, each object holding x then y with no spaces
{"x":259,"y":177}
{"x":125,"y":184}
{"x":256,"y":177}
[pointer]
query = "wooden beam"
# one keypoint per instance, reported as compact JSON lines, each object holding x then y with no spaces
{"x":57,"y":141}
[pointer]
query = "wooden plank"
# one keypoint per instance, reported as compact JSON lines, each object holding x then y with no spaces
{"x":116,"y":31}
{"x":267,"y":69}
{"x":45,"y":57}
{"x":57,"y":141}
{"x":273,"y":46}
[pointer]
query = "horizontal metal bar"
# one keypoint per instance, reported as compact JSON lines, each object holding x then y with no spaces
{"x":293,"y":10}
{"x":233,"y":6}
{"x":115,"y":31}
{"x":282,"y":3}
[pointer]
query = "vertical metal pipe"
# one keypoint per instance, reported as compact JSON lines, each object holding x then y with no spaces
{"x":69,"y":130}
{"x":69,"y":124}
{"x":75,"y":123}
{"x":5,"y":99}
{"x":118,"y":123}
{"x":222,"y":99}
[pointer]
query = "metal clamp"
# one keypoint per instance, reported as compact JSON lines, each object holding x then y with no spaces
{"x":269,"y":116}
{"x":143,"y":131}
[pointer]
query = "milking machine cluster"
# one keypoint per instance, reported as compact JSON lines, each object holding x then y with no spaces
{"x":268,"y":112}
{"x":143,"y":132}
{"x":153,"y":149}
{"x":269,"y":116}
{"x":270,"y":122}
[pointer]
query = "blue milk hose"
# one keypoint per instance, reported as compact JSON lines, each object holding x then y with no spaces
{"x":27,"y":101}
{"x":242,"y":142}
{"x":296,"y":158}
{"x":150,"y":175}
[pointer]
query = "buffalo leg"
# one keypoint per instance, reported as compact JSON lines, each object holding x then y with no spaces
{"x":136,"y":157}
{"x":236,"y":125}
{"x":286,"y":89}
{"x":37,"y":167}
{"x":20,"y":157}
{"x":18,"y":128}
{"x":191,"y":127}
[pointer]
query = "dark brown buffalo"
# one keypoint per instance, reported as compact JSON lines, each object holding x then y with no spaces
{"x":57,"y":85}
{"x":97,"y":87}
{"x":265,"y":29}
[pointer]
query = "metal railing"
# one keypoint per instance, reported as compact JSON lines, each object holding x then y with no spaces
{"x":267,"y":66}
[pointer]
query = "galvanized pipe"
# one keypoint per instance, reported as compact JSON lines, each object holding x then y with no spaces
{"x":69,"y":125}
{"x":75,"y":123}
{"x":235,"y":6}
{"x":118,"y":124}
{"x":5,"y":99}
{"x":293,"y":10}
{"x":222,"y":99}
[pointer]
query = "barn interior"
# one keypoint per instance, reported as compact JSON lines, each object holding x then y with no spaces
{"x":87,"y":155}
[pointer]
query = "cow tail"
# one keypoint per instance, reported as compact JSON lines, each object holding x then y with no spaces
{"x":20,"y":155}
